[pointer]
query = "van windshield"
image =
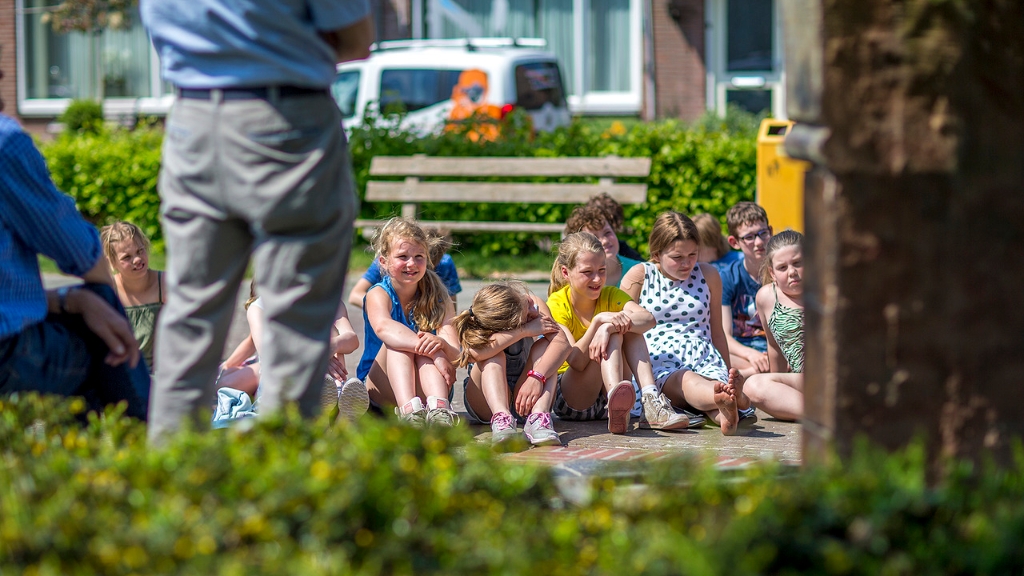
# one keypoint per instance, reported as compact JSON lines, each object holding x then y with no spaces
{"x":345,"y":90}
{"x":538,"y":83}
{"x":414,"y":89}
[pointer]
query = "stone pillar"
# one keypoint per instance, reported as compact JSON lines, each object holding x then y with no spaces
{"x":915,"y":225}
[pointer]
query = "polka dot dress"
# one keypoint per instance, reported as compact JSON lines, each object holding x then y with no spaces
{"x":682,"y":338}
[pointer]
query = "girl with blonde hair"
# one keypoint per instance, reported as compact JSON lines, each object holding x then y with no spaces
{"x":513,"y":349}
{"x":140,"y":288}
{"x":410,"y":343}
{"x":605,"y":328}
{"x":688,"y":347}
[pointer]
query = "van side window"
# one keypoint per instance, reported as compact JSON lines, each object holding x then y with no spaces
{"x":345,"y":90}
{"x":538,"y":83}
{"x":414,"y":89}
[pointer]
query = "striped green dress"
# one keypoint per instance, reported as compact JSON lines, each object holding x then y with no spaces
{"x":787,"y":326}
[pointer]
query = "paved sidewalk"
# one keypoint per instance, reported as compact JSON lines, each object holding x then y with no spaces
{"x":587,"y":444}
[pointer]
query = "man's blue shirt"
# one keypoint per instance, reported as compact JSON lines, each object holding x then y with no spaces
{"x":247,"y":43}
{"x":35,"y":218}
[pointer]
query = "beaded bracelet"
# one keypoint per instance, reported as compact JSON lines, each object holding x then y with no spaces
{"x":540,"y":377}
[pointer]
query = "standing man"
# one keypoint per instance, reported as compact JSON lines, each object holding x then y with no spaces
{"x":73,"y":341}
{"x":255,"y":163}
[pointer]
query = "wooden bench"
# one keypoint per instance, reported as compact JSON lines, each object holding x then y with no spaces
{"x":412,"y":190}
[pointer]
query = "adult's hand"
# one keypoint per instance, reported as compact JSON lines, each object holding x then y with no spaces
{"x":107,"y":324}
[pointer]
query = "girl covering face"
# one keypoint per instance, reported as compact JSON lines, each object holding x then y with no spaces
{"x":513,"y":348}
{"x":780,"y":303}
{"x":688,"y":346}
{"x":605,"y":328}
{"x":410,"y":343}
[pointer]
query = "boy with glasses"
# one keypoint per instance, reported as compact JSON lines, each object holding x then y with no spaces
{"x":749,"y":232}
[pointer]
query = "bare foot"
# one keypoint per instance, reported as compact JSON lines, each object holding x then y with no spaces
{"x":725,"y":399}
{"x":736,"y":380}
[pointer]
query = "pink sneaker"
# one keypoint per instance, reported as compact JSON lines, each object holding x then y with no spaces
{"x":539,"y":431}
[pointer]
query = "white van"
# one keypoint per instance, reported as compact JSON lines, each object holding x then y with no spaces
{"x":420,"y":78}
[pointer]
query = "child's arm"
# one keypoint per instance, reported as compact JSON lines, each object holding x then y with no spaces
{"x":776,"y":360}
{"x":393,"y":334}
{"x":255,"y":317}
{"x":343,"y":341}
{"x":633,"y":281}
{"x":641,"y":318}
{"x":756,"y":359}
{"x":449,"y":350}
{"x":242,"y":352}
{"x":547,"y":365}
{"x":718,"y":336}
{"x":355,"y":297}
{"x":539,"y":324}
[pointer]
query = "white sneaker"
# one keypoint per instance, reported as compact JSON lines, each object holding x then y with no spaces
{"x":658,"y":414}
{"x":540,"y":431}
{"x":353,"y":400}
{"x":439,"y":413}
{"x":503,"y":427}
{"x":413,"y":413}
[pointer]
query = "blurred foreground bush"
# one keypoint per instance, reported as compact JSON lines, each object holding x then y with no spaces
{"x":294,"y":497}
{"x":111,"y":174}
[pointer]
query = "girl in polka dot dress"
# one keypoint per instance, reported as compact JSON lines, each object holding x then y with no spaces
{"x":688,"y":346}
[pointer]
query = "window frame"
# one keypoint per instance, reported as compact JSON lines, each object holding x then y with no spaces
{"x":719,"y":80}
{"x":53,"y":107}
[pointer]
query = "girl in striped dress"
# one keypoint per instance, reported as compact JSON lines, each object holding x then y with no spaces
{"x":780,"y":304}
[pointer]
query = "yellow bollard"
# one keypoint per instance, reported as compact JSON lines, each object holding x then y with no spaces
{"x":780,"y":179}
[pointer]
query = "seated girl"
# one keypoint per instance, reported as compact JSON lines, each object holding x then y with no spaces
{"x":140,"y":288}
{"x":515,"y":348}
{"x":605,"y":328}
{"x":591,"y":218}
{"x":781,"y":301}
{"x":410,"y":343}
{"x":688,"y":346}
{"x":241,"y":370}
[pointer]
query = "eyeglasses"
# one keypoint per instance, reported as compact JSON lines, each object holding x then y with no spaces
{"x":764,"y":234}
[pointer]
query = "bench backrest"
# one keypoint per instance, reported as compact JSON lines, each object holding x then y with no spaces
{"x":411,"y":189}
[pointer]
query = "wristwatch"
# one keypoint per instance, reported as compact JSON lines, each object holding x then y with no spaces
{"x":62,"y":297}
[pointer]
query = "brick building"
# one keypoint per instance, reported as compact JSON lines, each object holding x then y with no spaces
{"x":647,"y":58}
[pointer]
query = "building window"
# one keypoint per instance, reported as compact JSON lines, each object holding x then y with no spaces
{"x":120,"y":65}
{"x":744,"y":56}
{"x":598,"y":42}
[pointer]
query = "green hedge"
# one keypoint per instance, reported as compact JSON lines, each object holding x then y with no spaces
{"x":702,"y":168}
{"x":113,"y":174}
{"x":294,"y":497}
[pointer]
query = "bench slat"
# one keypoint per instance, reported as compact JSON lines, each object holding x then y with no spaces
{"x":471,"y":226}
{"x":608,"y":166}
{"x":501,"y":192}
